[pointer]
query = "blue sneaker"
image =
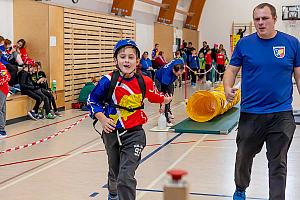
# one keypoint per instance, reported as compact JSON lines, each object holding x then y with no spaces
{"x":3,"y":134}
{"x":111,"y":197}
{"x":239,"y":195}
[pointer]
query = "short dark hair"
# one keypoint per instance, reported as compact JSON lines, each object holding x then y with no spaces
{"x":7,"y":42}
{"x":262,"y":5}
{"x":190,"y":43}
{"x":1,"y":38}
{"x":178,"y":67}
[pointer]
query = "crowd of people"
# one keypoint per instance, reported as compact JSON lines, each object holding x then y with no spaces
{"x":20,"y":73}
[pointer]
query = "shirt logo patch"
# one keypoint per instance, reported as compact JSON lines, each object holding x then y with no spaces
{"x":279,"y":52}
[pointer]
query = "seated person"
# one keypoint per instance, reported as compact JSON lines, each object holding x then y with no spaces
{"x":23,"y":52}
{"x":160,"y":60}
{"x":84,"y":93}
{"x":146,"y":65}
{"x":4,"y":59}
{"x":39,"y":78}
{"x":29,"y":88}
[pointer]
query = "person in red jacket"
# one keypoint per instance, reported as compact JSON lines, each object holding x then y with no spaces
{"x":160,"y":60}
{"x":4,"y":89}
{"x":220,"y":57}
{"x":21,"y":47}
{"x":208,"y":61}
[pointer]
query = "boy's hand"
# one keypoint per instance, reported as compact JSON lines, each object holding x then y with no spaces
{"x":168,"y":98}
{"x":107,"y":124}
{"x":162,"y":109}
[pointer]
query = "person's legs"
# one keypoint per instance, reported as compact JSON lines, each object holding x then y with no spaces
{"x":51,"y":98}
{"x":112,"y":147}
{"x":2,"y":111}
{"x":280,"y":135}
{"x":36,"y":97}
{"x":133,"y":144}
{"x":45,"y":99}
{"x":193,"y":77}
{"x":250,"y":139}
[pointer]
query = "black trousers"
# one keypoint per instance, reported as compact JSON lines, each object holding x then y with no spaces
{"x":13,"y":71}
{"x":221,"y":69}
{"x":165,"y":89}
{"x":39,"y":97}
{"x":51,"y":98}
{"x":276,"y":130}
{"x":208,"y":74}
{"x":123,"y":160}
{"x":194,"y":76}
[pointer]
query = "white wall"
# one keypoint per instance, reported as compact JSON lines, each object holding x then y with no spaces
{"x":218,"y":15}
{"x":6,"y":19}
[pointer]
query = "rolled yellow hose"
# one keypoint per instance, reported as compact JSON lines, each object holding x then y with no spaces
{"x":203,"y":106}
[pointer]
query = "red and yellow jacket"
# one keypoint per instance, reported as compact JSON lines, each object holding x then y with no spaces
{"x":127,"y":94}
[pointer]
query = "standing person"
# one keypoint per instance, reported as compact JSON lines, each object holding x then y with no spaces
{"x":220,"y":61}
{"x":202,"y":67}
{"x":178,"y":56}
{"x":164,"y":79}
{"x":204,"y":49}
{"x":155,"y":51}
{"x":195,"y":66}
{"x":4,"y":89}
{"x":241,"y":32}
{"x":121,"y":117}
{"x":268,"y":59}
{"x":214,"y":52}
{"x":208,"y":63}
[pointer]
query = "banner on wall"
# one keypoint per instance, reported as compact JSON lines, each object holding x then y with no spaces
{"x":233,"y":41}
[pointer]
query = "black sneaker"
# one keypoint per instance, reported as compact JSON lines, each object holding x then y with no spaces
{"x":33,"y":115}
{"x":3,"y":134}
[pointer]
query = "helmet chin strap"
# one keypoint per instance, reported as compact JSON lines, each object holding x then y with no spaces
{"x":124,"y":74}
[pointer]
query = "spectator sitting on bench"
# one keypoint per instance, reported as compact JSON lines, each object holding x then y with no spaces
{"x":39,"y":78}
{"x":85,"y":91}
{"x":23,"y":52}
{"x":33,"y":91}
{"x":4,"y":59}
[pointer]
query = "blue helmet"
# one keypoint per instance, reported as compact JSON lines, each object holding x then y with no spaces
{"x":124,"y":43}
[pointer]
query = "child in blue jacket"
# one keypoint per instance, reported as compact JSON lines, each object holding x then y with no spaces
{"x":164,"y":79}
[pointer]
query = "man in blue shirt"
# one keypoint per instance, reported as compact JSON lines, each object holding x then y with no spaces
{"x":268,"y":59}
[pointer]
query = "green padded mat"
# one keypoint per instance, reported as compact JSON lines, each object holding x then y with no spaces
{"x":221,"y":124}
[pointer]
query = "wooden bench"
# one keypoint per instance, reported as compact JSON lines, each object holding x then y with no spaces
{"x":18,"y":105}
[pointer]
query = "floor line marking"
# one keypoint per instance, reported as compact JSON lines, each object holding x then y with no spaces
{"x":153,"y":183}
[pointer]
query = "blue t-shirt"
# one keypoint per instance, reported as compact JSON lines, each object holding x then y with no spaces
{"x":146,"y":63}
{"x":165,"y":74}
{"x":267,"y":68}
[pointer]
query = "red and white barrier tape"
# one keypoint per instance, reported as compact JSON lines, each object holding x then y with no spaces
{"x":47,"y":138}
